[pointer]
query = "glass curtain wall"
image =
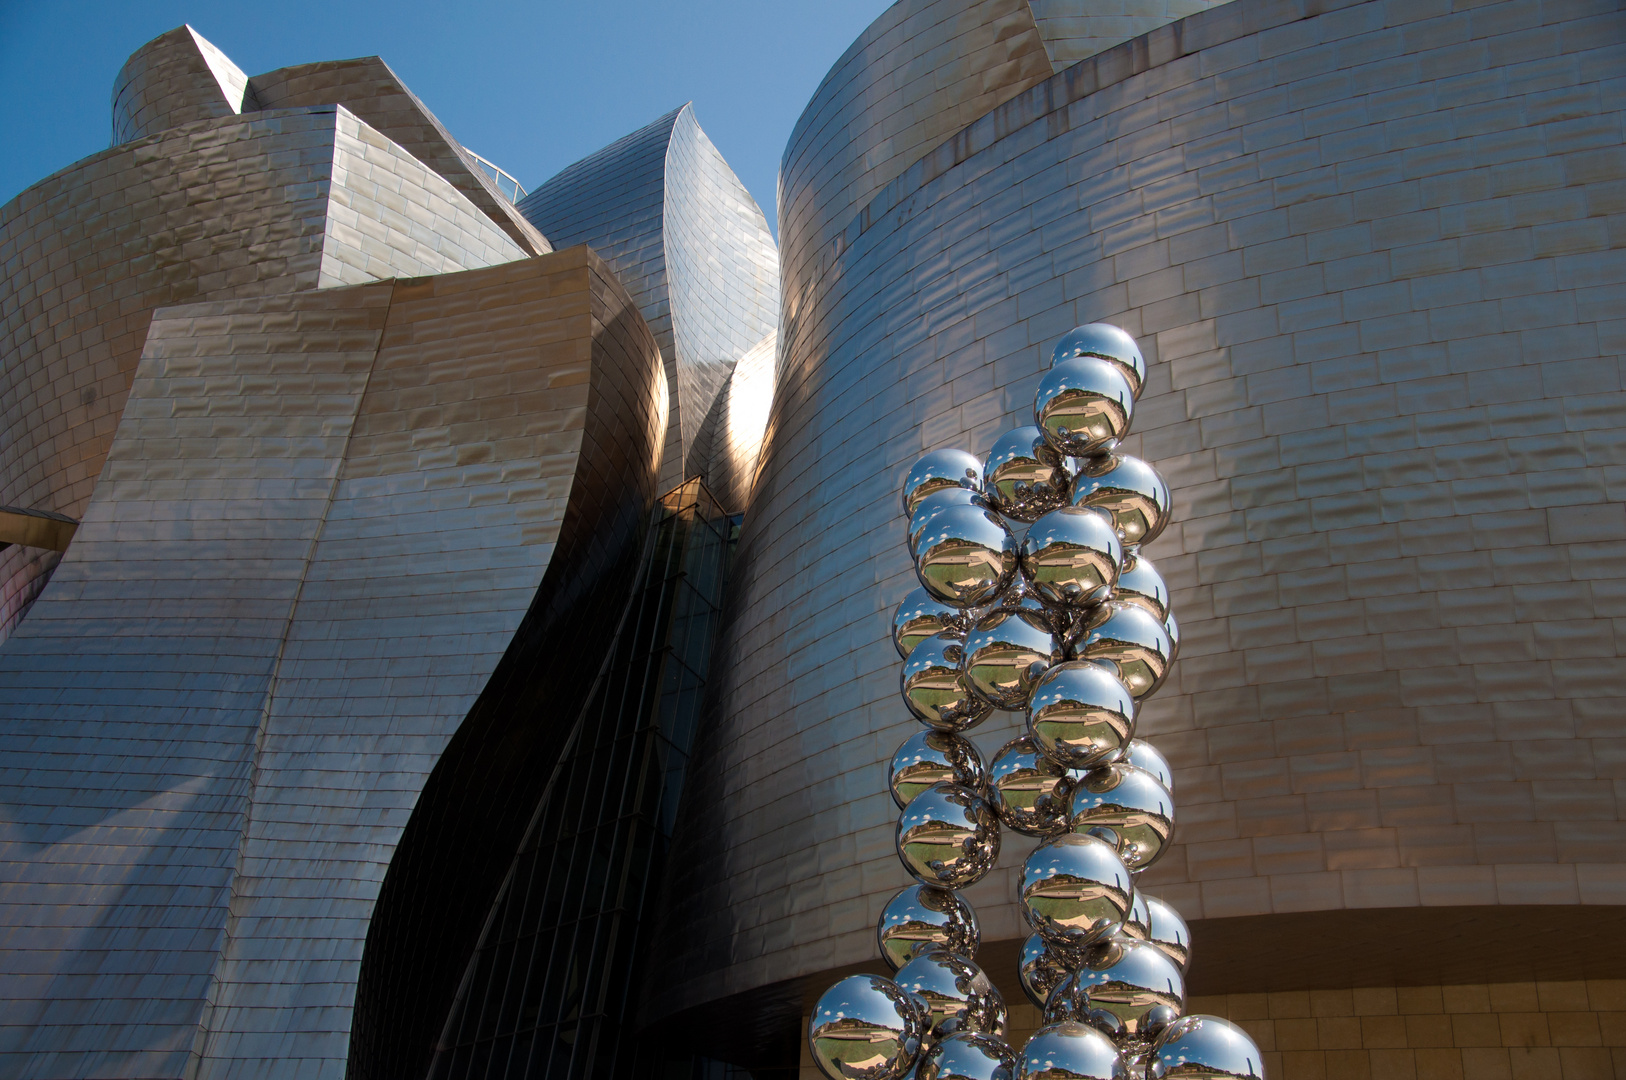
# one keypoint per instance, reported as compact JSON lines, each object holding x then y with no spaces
{"x":550,"y":992}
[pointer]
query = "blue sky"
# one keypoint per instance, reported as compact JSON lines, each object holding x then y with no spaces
{"x":531,"y":86}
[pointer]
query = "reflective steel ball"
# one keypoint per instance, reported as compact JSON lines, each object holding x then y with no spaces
{"x":922,"y":917}
{"x":1071,"y":557}
{"x":1205,"y":1048}
{"x":1167,"y":930}
{"x":1042,"y":967}
{"x":934,"y":504}
{"x":965,"y":556}
{"x":1025,"y":476}
{"x":1081,"y":713}
{"x":967,"y":1055}
{"x":935,"y":689}
{"x":919,"y":617}
{"x":1127,"y":989}
{"x":1138,"y":923}
{"x":938,"y":470}
{"x":931,"y":757}
{"x":955,"y":993}
{"x":1021,"y":597}
{"x":948,"y":837}
{"x":1128,"y":638}
{"x":1075,"y":890}
{"x":866,"y":1028}
{"x":1070,"y":1051}
{"x":1083,"y":406}
{"x":1030,"y":793}
{"x":1140,"y":584}
{"x":1128,"y":808}
{"x":1172,"y":628}
{"x":1127,"y":488}
{"x":1143,"y":755}
{"x":1109,"y":343}
{"x":1006,"y":652}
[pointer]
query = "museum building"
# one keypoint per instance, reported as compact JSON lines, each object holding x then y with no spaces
{"x":446,"y":629}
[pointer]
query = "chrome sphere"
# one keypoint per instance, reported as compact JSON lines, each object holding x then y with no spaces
{"x":1107,"y":342}
{"x":1143,"y":755}
{"x":866,"y":1028}
{"x":1129,"y":639}
{"x":1006,"y":652}
{"x":1080,"y":713}
{"x":1127,"y":488}
{"x":1042,"y":967}
{"x":1138,"y":923}
{"x":1083,"y":406}
{"x":965,"y":556}
{"x":1140,"y":584}
{"x":1126,"y":988}
{"x":936,"y":690}
{"x":922,"y":917}
{"x":967,"y":1055}
{"x":1075,"y":890}
{"x":931,"y":757}
{"x":1205,"y":1048}
{"x":1070,"y":1051}
{"x":935,"y":504}
{"x":1030,"y":793}
{"x":1071,"y":557}
{"x":954,"y":992}
{"x":1021,"y":597}
{"x":948,"y":837}
{"x":938,"y":470}
{"x":1128,"y":808}
{"x":1172,"y":628}
{"x":1025,"y":476}
{"x":1168,"y":932}
{"x":919,"y":617}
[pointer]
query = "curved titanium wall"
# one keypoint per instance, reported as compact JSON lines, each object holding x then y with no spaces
{"x":1374,"y":253}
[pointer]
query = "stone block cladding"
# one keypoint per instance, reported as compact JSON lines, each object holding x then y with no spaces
{"x":1375,"y":252}
{"x":322,"y":521}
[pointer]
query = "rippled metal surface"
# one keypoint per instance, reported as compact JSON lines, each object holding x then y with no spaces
{"x":921,"y":916}
{"x":932,"y":757}
{"x":1127,"y":807}
{"x":866,"y":1027}
{"x":1075,"y":890}
{"x":948,"y":837}
{"x":955,"y":993}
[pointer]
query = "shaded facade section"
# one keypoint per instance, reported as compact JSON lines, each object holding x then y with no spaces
{"x":1369,"y":249}
{"x":267,"y":203}
{"x":692,"y":247}
{"x":327,"y":520}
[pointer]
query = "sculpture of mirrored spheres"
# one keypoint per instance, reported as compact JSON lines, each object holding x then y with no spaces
{"x":948,"y":837}
{"x":922,"y":916}
{"x":866,"y":1028}
{"x":1071,"y":624}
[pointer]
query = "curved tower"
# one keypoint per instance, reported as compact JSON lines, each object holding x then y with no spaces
{"x":1365,"y":248}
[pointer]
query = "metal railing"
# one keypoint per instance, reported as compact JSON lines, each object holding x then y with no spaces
{"x":510,"y":188}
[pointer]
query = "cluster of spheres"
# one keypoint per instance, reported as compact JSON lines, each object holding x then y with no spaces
{"x":1034,"y":597}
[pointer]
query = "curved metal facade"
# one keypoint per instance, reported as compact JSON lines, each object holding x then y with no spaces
{"x":1371,"y":250}
{"x":694,"y":250}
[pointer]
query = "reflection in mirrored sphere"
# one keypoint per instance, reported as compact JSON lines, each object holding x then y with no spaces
{"x":931,"y":757}
{"x":1172,"y":628}
{"x":1139,"y":583}
{"x":1129,"y":638}
{"x":948,"y":837}
{"x":965,"y":556}
{"x":1128,"y":808}
{"x":1025,"y":476}
{"x":1071,"y":557}
{"x":1080,"y":713}
{"x":935,"y":689}
{"x":1138,"y":923}
{"x":967,"y":1055}
{"x":1069,"y":1051}
{"x":921,"y":917}
{"x":1021,"y":597}
{"x":1006,"y":652}
{"x":935,"y":503}
{"x":866,"y":1028}
{"x":1107,"y":342}
{"x":1125,"y":988}
{"x":1143,"y":755}
{"x":1030,"y":793}
{"x":1205,"y":1048}
{"x":1168,"y":932}
{"x":1075,"y":890}
{"x":938,"y":470}
{"x":956,"y":994}
{"x":919,"y":617}
{"x":1127,"y":488}
{"x":1042,"y":967}
{"x":1083,"y":406}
